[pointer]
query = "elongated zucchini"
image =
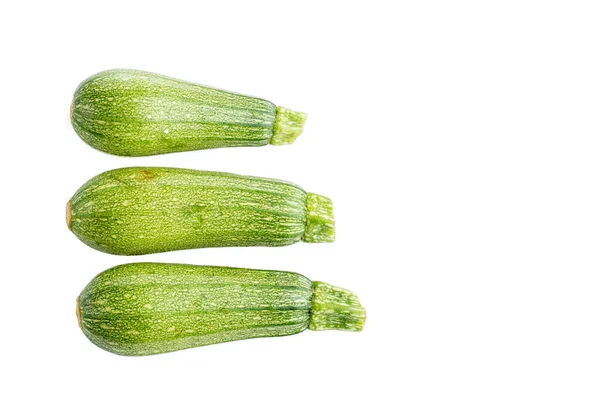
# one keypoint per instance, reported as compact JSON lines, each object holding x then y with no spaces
{"x":143,"y":210}
{"x":151,"y":308}
{"x":137,"y":113}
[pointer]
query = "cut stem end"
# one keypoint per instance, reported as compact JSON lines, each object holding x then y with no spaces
{"x":320,"y":224}
{"x":288,"y":126}
{"x":335,"y":308}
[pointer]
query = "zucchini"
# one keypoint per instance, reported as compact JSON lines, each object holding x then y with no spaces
{"x":137,"y":113}
{"x":142,"y":210}
{"x":150,"y":308}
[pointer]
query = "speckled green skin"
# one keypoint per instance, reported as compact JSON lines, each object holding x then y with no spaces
{"x":148,"y":308}
{"x":137,"y":113}
{"x":151,"y":308}
{"x":143,"y":210}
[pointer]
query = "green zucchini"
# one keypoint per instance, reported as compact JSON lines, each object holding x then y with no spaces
{"x":150,"y":308}
{"x":142,"y":210}
{"x":137,"y":113}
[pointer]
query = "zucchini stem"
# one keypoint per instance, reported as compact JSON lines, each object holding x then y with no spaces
{"x":288,"y":126}
{"x":320,"y":224}
{"x":335,"y":308}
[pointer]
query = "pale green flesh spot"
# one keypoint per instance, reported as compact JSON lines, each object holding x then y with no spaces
{"x":151,"y":308}
{"x":143,"y":210}
{"x":137,"y":113}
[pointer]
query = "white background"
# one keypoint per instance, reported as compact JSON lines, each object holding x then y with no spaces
{"x":457,"y":139}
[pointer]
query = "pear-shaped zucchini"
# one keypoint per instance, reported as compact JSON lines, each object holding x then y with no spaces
{"x":143,"y":210}
{"x":151,"y":308}
{"x":137,"y":113}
